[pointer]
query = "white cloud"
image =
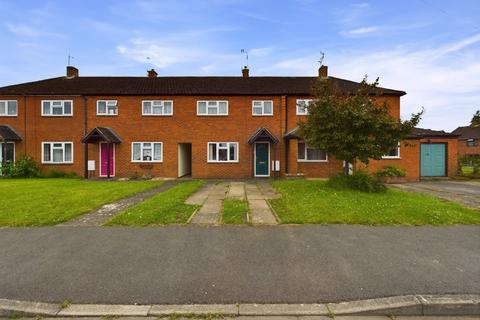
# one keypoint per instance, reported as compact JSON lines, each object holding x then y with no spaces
{"x":361,"y":31}
{"x":445,"y":80}
{"x":25,"y":30}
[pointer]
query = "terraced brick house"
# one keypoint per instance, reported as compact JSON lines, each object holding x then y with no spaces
{"x":205,"y":127}
{"x":468,"y":140}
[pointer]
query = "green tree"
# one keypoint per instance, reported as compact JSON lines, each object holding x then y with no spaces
{"x":475,"y":119}
{"x":353,"y":127}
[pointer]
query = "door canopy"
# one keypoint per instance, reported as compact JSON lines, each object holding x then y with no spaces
{"x":8,"y":134}
{"x":262,"y":134}
{"x":101,"y":134}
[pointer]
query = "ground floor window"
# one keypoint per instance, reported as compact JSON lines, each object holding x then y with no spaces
{"x":393,"y":154}
{"x":57,"y":152}
{"x":9,"y":155}
{"x":305,"y":153}
{"x":223,"y":152}
{"x":147,"y":152}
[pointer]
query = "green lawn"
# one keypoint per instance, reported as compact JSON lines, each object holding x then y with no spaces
{"x":305,"y":201}
{"x":164,"y":208}
{"x":38,"y":202}
{"x":234,"y":211}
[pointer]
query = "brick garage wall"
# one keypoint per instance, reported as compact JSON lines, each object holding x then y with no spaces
{"x":463,"y":149}
{"x":410,"y":158}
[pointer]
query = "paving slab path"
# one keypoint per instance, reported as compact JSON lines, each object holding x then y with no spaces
{"x":211,"y":197}
{"x":210,"y":212}
{"x":99,"y":216}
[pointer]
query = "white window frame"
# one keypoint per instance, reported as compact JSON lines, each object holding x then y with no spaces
{"x":51,"y":152}
{"x":228,"y":152}
{"x":307,"y":103}
{"x":1,"y":152}
{"x":206,"y":110}
{"x":473,"y":141}
{"x":163,"y":114}
{"x":6,"y":108}
{"x":393,"y":157}
{"x":51,"y":108}
{"x":263,"y":114}
{"x":153,"y":152}
{"x":106,"y":114}
{"x":306,"y":153}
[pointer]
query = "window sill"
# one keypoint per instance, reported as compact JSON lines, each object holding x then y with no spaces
{"x":222,"y":162}
{"x":308,"y":161}
{"x":212,"y":115}
{"x":157,"y":115}
{"x":57,"y":116}
{"x":391,"y":158}
{"x":107,"y":115}
{"x":147,"y":162}
{"x":262,"y":115}
{"x":8,"y":115}
{"x":55,"y":163}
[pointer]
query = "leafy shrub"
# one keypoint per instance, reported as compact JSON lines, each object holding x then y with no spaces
{"x":360,"y":180}
{"x":60,"y":174}
{"x":25,"y":167}
{"x":391,"y":171}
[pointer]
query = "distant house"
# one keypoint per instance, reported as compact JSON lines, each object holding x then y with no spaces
{"x":468,"y":140}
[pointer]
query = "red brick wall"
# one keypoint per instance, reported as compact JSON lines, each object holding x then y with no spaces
{"x":183,"y":127}
{"x":463,"y":149}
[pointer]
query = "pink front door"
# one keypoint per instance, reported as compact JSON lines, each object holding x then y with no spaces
{"x":104,"y":159}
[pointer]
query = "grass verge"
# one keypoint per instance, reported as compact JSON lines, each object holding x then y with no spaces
{"x":41,"y":202}
{"x":234,"y":211}
{"x":306,"y":201}
{"x":164,"y":208}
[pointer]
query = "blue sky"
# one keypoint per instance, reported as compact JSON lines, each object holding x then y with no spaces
{"x":429,"y":48}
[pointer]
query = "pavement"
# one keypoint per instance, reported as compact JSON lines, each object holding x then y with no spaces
{"x":236,"y":264}
{"x":466,"y":193}
{"x":211,"y":197}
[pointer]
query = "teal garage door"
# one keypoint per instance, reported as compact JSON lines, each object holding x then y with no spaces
{"x":433,"y":159}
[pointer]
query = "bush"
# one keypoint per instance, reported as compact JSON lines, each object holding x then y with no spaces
{"x":391,"y":171}
{"x":360,"y":180}
{"x":60,"y":174}
{"x":25,"y":167}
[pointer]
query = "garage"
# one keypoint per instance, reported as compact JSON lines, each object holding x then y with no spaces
{"x":433,"y":159}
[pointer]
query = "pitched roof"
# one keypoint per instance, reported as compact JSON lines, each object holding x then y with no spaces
{"x":7,"y":133}
{"x":101,"y":134}
{"x":262,"y":134}
{"x":428,"y":133}
{"x":179,"y":86}
{"x":467,"y":132}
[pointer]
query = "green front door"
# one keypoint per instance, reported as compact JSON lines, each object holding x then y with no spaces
{"x":432,"y":160}
{"x":261,"y":160}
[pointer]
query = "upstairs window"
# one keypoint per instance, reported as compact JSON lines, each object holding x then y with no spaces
{"x":8,"y":108}
{"x":147,"y":152}
{"x":302,"y":106}
{"x":471,"y":143}
{"x":57,"y":108}
{"x":107,"y":107}
{"x":223,"y":152}
{"x":157,"y":108}
{"x":262,"y":108}
{"x":57,"y":152}
{"x":212,"y":108}
{"x":305,"y":153}
{"x":393,"y":154}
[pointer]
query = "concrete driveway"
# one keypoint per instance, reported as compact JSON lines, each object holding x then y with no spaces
{"x":463,"y":192}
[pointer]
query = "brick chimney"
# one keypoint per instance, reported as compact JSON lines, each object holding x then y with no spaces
{"x":323,"y":72}
{"x":72,"y":72}
{"x":152,"y":73}
{"x":245,"y":72}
